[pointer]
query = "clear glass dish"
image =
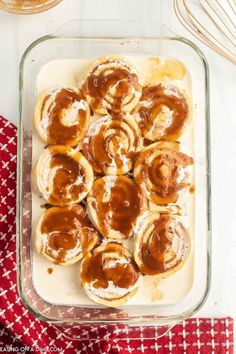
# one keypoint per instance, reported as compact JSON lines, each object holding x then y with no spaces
{"x":66,"y":43}
{"x":27,"y":6}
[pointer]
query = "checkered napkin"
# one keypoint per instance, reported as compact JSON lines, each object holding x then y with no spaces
{"x":21,"y":332}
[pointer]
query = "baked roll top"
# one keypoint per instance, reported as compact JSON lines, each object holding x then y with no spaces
{"x":109,"y":275}
{"x":161,"y":244}
{"x":65,"y":234}
{"x":62,"y":116}
{"x":162,"y":112}
{"x":111,"y":144}
{"x":161,"y":169}
{"x":114,"y":204}
{"x":62,"y":175}
{"x":111,"y":85}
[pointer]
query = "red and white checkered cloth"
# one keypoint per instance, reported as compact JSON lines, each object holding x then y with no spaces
{"x":21,"y":332}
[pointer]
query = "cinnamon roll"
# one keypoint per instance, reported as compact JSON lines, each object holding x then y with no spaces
{"x":112,"y":85}
{"x":111,"y":144}
{"x":62,"y":175}
{"x":114,"y":204}
{"x":162,"y":112}
{"x":161,"y":170}
{"x":62,"y":116}
{"x":161,"y":244}
{"x":109,"y":275}
{"x":65,"y":234}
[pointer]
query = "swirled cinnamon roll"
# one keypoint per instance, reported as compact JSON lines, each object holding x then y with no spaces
{"x":109,"y":275}
{"x":111,"y":144}
{"x":114,"y":204}
{"x":62,"y":116}
{"x":112,"y":85}
{"x":64,"y":235}
{"x":161,"y":170}
{"x":161,"y":244}
{"x":162,"y":112}
{"x":62,"y":175}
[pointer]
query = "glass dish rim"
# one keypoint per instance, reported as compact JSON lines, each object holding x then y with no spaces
{"x":147,"y":321}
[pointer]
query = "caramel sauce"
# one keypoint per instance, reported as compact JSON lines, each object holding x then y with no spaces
{"x":158,"y":70}
{"x":64,"y":227}
{"x":59,"y":133}
{"x":50,"y":270}
{"x":111,"y":145}
{"x":68,"y":172}
{"x":28,"y":3}
{"x":112,"y":86}
{"x":45,"y":206}
{"x":161,"y":173}
{"x":157,"y":99}
{"x":101,"y":267}
{"x":192,"y":189}
{"x":147,"y":142}
{"x":154,"y":252}
{"x":126,"y":202}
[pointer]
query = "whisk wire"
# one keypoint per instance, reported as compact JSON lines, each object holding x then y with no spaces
{"x":215,"y":14}
{"x":199,"y":30}
{"x":217,"y":24}
{"x":226,"y":13}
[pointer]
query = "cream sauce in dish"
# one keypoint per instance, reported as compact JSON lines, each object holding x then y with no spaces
{"x":166,"y":291}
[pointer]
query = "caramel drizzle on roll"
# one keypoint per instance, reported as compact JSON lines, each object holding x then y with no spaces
{"x":112,"y":143}
{"x":67,"y":173}
{"x":163,"y":244}
{"x":112,"y":86}
{"x":63,"y":175}
{"x":63,"y":117}
{"x":109,"y":263}
{"x":158,"y":169}
{"x":162,"y":112}
{"x":114,"y":204}
{"x":67,"y":232}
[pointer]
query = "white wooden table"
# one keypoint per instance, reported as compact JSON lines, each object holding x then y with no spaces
{"x":17,"y":32}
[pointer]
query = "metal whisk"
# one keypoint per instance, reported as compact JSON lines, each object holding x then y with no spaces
{"x":200,"y":16}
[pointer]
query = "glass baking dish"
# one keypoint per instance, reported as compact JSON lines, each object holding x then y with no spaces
{"x":66,"y":43}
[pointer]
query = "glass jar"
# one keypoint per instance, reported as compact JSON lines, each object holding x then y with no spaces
{"x":27,"y":6}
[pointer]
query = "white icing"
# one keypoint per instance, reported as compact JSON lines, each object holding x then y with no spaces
{"x":183,"y":173}
{"x":138,"y":117}
{"x":96,"y":125}
{"x":112,"y":64}
{"x":55,"y":253}
{"x":46,"y":174}
{"x":43,"y":125}
{"x":171,"y":91}
{"x":79,"y":180}
{"x":141,"y":222}
{"x":112,"y":263}
{"x":112,"y":291}
{"x":123,"y":157}
{"x":161,"y":122}
{"x":70,"y":116}
{"x":74,"y":251}
{"x":147,"y":103}
{"x":109,"y":184}
{"x":113,"y":88}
